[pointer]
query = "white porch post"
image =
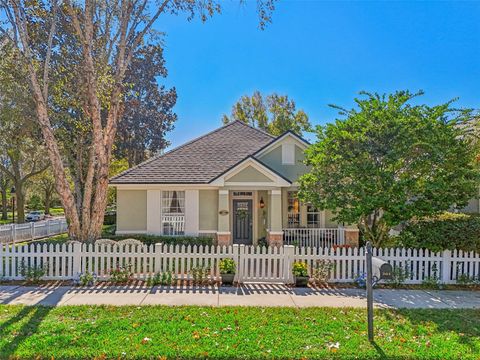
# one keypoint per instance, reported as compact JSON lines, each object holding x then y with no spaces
{"x":223,"y":235}
{"x":192,"y":214}
{"x":154,"y":220}
{"x":275,"y":233}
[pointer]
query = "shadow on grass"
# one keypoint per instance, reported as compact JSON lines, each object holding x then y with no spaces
{"x":465,"y":323}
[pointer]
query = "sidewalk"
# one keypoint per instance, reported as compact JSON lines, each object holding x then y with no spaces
{"x":246,"y":295}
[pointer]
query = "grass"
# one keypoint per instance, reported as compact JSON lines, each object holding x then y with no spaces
{"x":229,"y":332}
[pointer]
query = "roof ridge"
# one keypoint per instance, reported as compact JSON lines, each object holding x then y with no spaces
{"x":125,"y":172}
{"x":254,"y":128}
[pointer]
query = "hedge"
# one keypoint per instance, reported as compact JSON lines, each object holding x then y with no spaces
{"x":442,"y":232}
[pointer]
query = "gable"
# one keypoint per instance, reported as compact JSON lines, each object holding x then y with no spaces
{"x":249,"y":174}
{"x":274,"y":158}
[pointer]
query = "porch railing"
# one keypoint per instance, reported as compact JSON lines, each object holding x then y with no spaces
{"x":173,"y":224}
{"x":314,"y":237}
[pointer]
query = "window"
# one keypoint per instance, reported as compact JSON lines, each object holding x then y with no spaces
{"x":293,"y":213}
{"x":313,"y":216}
{"x":173,"y":212}
{"x":288,"y":154}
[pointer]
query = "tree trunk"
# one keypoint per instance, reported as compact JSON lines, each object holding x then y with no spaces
{"x":47,"y":201}
{"x":20,"y":202}
{"x":4,"y":204}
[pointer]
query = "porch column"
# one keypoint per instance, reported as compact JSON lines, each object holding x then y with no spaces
{"x":275,"y":233}
{"x":223,"y":234}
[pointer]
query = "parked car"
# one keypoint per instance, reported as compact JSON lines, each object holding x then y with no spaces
{"x":35,"y":216}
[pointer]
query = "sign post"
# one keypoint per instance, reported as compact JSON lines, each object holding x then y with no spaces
{"x":377,"y":269}
{"x":368,"y":255}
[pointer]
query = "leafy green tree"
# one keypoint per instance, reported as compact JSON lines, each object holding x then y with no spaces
{"x":274,"y":113}
{"x":390,"y":161}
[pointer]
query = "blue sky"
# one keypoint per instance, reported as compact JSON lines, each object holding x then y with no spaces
{"x":320,"y":53}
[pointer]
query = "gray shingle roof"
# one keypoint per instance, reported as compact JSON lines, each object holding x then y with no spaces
{"x":201,"y":160}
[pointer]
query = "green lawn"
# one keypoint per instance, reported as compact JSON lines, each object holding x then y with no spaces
{"x":229,"y":332}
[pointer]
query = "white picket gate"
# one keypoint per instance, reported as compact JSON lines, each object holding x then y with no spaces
{"x":254,"y":264}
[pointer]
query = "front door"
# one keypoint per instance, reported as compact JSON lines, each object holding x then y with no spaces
{"x":242,"y":221}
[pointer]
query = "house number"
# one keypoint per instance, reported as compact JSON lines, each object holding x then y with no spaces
{"x":223,"y":212}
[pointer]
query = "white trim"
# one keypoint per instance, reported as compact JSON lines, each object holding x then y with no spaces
{"x":192,"y":213}
{"x":131,"y":232}
{"x":179,"y":187}
{"x":207,"y":231}
{"x":224,"y":232}
{"x":275,"y":232}
{"x":276,"y":179}
{"x":275,"y":192}
{"x":154,"y":211}
{"x":222,"y":192}
{"x":302,"y":144}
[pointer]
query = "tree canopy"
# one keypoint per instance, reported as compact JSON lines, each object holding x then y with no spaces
{"x":274,"y":113}
{"x":388,"y":161}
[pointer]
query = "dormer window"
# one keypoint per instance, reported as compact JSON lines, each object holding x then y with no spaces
{"x":288,"y":154}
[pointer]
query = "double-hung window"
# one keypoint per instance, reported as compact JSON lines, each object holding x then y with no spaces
{"x":173,"y":212}
{"x":313,"y":216}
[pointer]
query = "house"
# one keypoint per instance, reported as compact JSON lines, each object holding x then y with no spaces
{"x":237,"y":184}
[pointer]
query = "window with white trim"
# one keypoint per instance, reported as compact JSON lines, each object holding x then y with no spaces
{"x":313,"y":216}
{"x":173,"y":212}
{"x":293,"y":209}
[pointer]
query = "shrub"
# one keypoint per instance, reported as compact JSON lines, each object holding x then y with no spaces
{"x":361,"y":280}
{"x":87,"y":279}
{"x":321,"y":272}
{"x":227,"y":266}
{"x":446,"y":231}
{"x":33,"y":273}
{"x":399,"y":275}
{"x":159,"y":278}
{"x":110,"y":218}
{"x":200,"y":275}
{"x":121,"y":274}
{"x":300,"y":269}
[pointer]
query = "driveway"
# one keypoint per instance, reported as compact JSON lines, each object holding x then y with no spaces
{"x":245,"y":295}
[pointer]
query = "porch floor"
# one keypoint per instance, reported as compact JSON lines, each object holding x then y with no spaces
{"x":245,"y":295}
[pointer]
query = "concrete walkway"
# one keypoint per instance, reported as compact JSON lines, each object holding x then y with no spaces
{"x":246,"y":295}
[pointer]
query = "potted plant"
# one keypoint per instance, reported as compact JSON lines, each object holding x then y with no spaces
{"x":300,"y":272}
{"x":227,"y":271}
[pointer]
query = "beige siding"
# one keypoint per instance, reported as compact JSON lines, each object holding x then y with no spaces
{"x":249,"y":174}
{"x":131,"y":210}
{"x":208,"y":200}
{"x":329,"y":223}
{"x":292,"y":172}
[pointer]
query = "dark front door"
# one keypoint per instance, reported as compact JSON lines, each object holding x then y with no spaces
{"x":242,"y":222}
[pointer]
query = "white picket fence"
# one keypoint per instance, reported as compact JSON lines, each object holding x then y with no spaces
{"x":30,"y":231}
{"x":254,"y":264}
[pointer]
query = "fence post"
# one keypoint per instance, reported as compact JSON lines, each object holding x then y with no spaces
{"x":158,"y":257}
{"x":289,"y":257}
{"x":32,"y":230}
{"x":236,"y":258}
{"x":14,"y":233}
{"x":48,"y":227}
{"x":447,"y":267}
{"x":77,"y":259}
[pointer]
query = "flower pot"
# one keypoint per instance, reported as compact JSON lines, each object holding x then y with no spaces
{"x":227,"y":279}
{"x":301,"y":281}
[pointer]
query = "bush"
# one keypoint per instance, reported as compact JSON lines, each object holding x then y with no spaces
{"x":33,"y":273}
{"x":300,"y":269}
{"x":110,"y":218}
{"x":227,"y":266}
{"x":170,"y":240}
{"x":447,"y":231}
{"x":121,"y":274}
{"x":159,"y":278}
